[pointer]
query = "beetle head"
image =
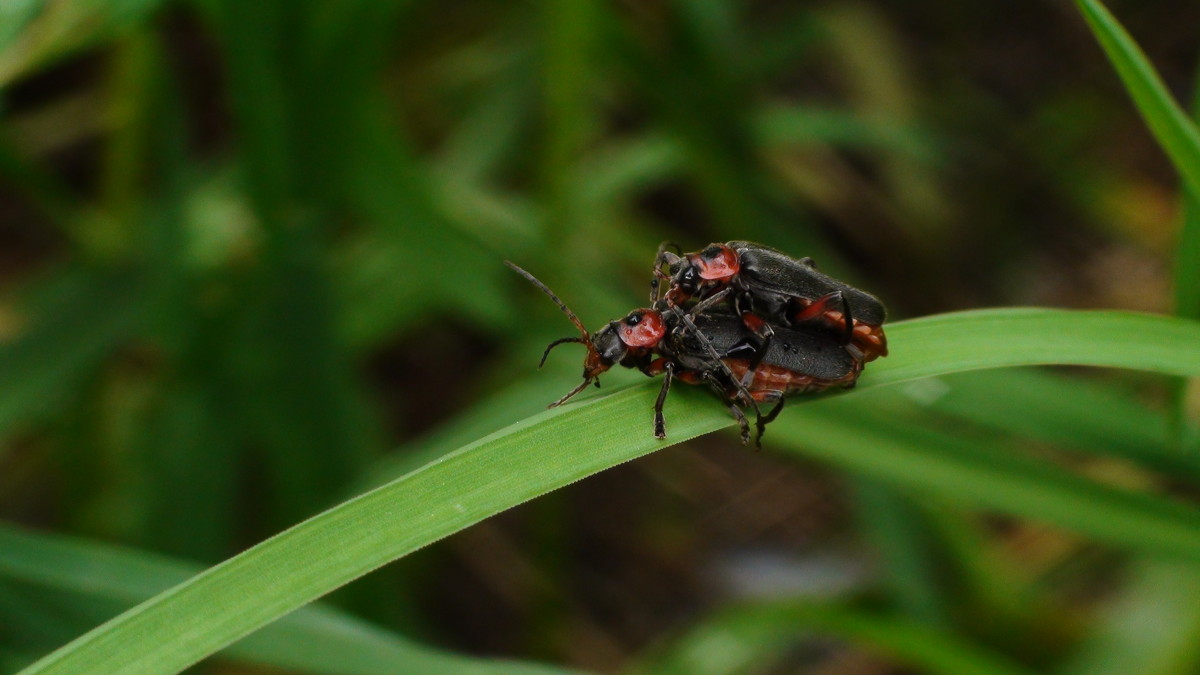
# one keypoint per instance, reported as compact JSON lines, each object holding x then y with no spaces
{"x":640,"y":329}
{"x":718,"y":262}
{"x":684,"y":274}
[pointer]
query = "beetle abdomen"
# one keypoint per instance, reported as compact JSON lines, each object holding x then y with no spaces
{"x":771,"y":383}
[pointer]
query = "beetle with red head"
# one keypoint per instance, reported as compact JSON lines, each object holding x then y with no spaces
{"x":717,"y":349}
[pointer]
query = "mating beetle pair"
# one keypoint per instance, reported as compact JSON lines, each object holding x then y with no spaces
{"x":787,"y":329}
{"x":769,"y":287}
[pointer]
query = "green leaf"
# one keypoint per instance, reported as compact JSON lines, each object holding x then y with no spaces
{"x":795,"y":125}
{"x":560,"y":446}
{"x":1070,"y":412}
{"x":81,"y":317}
{"x":902,"y":541}
{"x":1170,"y":125}
{"x":993,"y":338}
{"x":1151,"y":627}
{"x":1187,"y":256}
{"x":736,"y":640}
{"x":1179,"y":137}
{"x":14,"y":17}
{"x":569,"y":50}
{"x":314,"y":639}
{"x":1187,"y":304}
{"x":863,"y":438}
{"x":51,"y":30}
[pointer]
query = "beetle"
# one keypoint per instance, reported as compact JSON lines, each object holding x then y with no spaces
{"x":769,"y":287}
{"x":796,"y":360}
{"x":627,"y":341}
{"x":714,"y":348}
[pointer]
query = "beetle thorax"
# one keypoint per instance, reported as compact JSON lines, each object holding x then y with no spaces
{"x":642,"y":328}
{"x":718,"y":262}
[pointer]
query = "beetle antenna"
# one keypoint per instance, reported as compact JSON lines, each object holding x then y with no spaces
{"x":556,"y":343}
{"x":587,"y":338}
{"x":580,"y":387}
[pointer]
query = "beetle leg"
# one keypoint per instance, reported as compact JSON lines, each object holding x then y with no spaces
{"x":660,"y":424}
{"x":742,"y":423}
{"x":763,"y":330}
{"x":660,"y":256}
{"x":847,"y":319}
{"x":744,"y":305}
{"x":743,"y":393}
{"x":734,"y":410}
{"x":655,"y":280}
{"x":817,"y":308}
{"x":656,"y":367}
{"x":699,"y":307}
{"x":761,"y":423}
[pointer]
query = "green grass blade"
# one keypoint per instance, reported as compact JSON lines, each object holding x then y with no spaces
{"x":1187,"y":304}
{"x":314,"y":639}
{"x":45,"y":191}
{"x":51,"y":30}
{"x":1187,"y":256}
{"x":568,"y":51}
{"x":903,"y":543}
{"x":1151,"y":627}
{"x":1187,"y":262}
{"x":864,"y":437}
{"x":79,"y":321}
{"x":553,"y":449}
{"x":1069,"y":412}
{"x":1179,"y":137}
{"x":993,"y":338}
{"x":737,"y":640}
{"x":1170,"y":125}
{"x":14,"y":17}
{"x":781,"y":125}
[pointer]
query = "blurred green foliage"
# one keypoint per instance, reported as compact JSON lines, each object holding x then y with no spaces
{"x":250,"y":264}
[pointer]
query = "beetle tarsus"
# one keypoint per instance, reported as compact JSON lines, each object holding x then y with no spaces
{"x":743,"y":424}
{"x":760,"y":424}
{"x":660,"y":424}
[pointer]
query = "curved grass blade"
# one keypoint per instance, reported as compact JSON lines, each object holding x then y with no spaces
{"x":1179,"y":137}
{"x":314,"y":639}
{"x":550,"y":450}
{"x":1176,"y":133}
{"x":995,"y":338}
